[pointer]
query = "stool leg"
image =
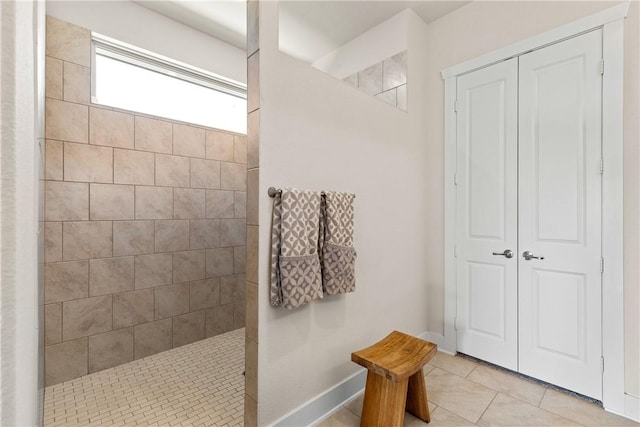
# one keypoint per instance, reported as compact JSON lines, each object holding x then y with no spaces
{"x":417,"y":399}
{"x":384,"y":401}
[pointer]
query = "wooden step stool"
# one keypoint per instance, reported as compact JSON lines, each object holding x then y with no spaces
{"x":395,"y":381}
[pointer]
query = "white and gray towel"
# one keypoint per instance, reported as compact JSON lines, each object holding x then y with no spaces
{"x":338,"y":257}
{"x":295,"y":263}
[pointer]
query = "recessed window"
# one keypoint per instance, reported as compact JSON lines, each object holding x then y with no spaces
{"x":136,"y":80}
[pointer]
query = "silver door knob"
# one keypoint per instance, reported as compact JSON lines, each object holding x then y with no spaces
{"x":528,"y":255}
{"x":508,"y":253}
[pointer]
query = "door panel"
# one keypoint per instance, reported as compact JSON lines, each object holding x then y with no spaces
{"x":559,"y":214}
{"x":487,"y":213}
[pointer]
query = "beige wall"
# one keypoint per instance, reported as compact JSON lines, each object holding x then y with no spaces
{"x":484,"y":26}
{"x":145,"y":224}
{"x":318,"y":133}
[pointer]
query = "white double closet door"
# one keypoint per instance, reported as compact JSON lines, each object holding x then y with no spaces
{"x":528,"y":239}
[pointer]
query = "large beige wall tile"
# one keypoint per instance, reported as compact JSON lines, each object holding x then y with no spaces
{"x":53,"y":78}
{"x":110,"y":275}
{"x":77,"y":83}
{"x":65,"y":361}
{"x":172,"y":171}
{"x":204,"y":233}
{"x":188,"y":203}
{"x":251,"y":368}
{"x":233,"y":232}
{"x":239,"y":259}
{"x":88,"y":163}
{"x":253,"y":146}
{"x":252,"y":196}
{"x":188,"y":328}
{"x":52,"y":323}
{"x":394,"y":71}
{"x":133,"y":167}
{"x":188,"y":266}
{"x":220,"y":204}
{"x":219,"y":320}
{"x":154,"y":203}
{"x":111,"y":202}
{"x":188,"y":141}
{"x":219,"y":146}
{"x":239,"y":314}
{"x":110,"y":349}
{"x":52,"y":241}
{"x":205,"y":173}
{"x":240,"y":204}
{"x":171,"y":300}
{"x":370,"y":79}
{"x":252,"y":253}
{"x":240,"y":149}
{"x":87,"y":239}
{"x":227,"y":289}
{"x":53,"y":160}
{"x":204,"y":294}
{"x":110,"y":128}
{"x":253,"y":82}
{"x":251,"y":318}
{"x":66,"y":121}
{"x":64,"y":281}
{"x":253,"y":28}
{"x":172,"y":235}
{"x":133,"y":237}
{"x":153,"y":135}
{"x":132,"y":308}
{"x":152,"y":338}
{"x":233,"y":176}
{"x":86,"y":317}
{"x":153,"y":270}
{"x":68,"y":42}
{"x":219,"y":262}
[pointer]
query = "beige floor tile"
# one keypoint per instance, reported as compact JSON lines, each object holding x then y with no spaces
{"x":454,"y":364}
{"x":442,"y":417}
{"x":458,"y":395}
{"x":355,"y":405}
{"x":175,"y":387}
{"x":342,"y":418}
{"x":508,"y":384}
{"x":507,"y":411}
{"x":580,"y":411}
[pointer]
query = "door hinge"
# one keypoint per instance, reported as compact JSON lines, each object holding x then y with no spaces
{"x":455,"y":323}
{"x":602,"y":364}
{"x":455,"y":179}
{"x":602,"y":67}
{"x":601,"y":166}
{"x":455,"y":252}
{"x":601,"y":265}
{"x":455,"y":106}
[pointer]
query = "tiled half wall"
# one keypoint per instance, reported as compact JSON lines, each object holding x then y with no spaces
{"x":145,"y":236}
{"x":386,"y":80}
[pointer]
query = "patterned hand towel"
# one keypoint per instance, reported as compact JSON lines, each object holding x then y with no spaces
{"x":295,"y":262}
{"x":338,"y":255}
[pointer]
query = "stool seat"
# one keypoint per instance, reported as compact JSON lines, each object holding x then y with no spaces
{"x":394,"y":379}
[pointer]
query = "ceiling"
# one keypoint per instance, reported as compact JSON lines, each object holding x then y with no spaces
{"x":339,"y":21}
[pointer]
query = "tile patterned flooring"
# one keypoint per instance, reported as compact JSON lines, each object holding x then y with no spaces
{"x":199,"y":384}
{"x":465,"y":393}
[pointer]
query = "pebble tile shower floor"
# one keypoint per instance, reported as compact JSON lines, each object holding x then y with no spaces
{"x":199,"y":384}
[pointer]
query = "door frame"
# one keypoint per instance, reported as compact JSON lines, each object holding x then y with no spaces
{"x":611,"y":21}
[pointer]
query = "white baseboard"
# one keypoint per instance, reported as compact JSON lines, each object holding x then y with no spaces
{"x":322,"y":406}
{"x":632,"y":407}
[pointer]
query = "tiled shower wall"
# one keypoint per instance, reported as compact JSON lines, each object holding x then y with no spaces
{"x":145,"y":228}
{"x":386,"y":80}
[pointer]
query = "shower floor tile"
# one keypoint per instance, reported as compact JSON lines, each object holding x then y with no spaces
{"x":196,"y":384}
